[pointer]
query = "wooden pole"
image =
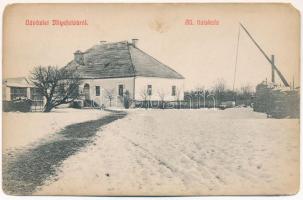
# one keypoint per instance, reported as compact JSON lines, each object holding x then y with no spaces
{"x":273,"y":69}
{"x":267,"y":58}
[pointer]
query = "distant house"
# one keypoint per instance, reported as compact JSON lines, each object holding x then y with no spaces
{"x":108,"y":70}
{"x":20,"y":88}
{"x":17,"y":88}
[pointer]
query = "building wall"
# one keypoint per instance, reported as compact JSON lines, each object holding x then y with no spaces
{"x":160,"y":87}
{"x":136,"y":86}
{"x":6,"y":93}
{"x":108,"y":86}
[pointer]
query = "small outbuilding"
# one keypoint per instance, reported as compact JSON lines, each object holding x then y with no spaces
{"x":19,"y":89}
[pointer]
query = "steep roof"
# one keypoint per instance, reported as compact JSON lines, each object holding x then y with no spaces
{"x":120,"y":59}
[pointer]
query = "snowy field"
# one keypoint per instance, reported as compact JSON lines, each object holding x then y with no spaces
{"x":23,"y":129}
{"x":179,"y":152}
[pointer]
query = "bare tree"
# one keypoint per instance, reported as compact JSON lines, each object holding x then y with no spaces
{"x":144,"y":95}
{"x":198,"y":93}
{"x":58,"y":86}
{"x":162,"y":95}
{"x":219,"y":89}
{"x":199,"y":88}
{"x":109,"y":94}
{"x":127,"y":100}
{"x":246,"y":92}
{"x":177,"y":96}
{"x":220,"y":85}
{"x":178,"y":93}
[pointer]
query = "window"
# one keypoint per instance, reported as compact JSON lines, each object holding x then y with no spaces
{"x":120,"y":90}
{"x":173,"y":90}
{"x":97,"y":90}
{"x":18,"y":92}
{"x":149,"y":90}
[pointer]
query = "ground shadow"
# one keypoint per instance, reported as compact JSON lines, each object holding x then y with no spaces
{"x":22,"y":173}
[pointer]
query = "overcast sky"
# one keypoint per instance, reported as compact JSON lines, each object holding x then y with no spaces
{"x":202,"y":54}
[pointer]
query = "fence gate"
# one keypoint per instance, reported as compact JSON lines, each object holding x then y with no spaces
{"x":37,"y":105}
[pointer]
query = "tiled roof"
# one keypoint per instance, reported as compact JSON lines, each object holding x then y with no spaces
{"x":146,"y":65}
{"x":120,"y":59}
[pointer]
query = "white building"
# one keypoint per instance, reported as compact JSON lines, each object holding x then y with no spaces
{"x":110,"y":69}
{"x":17,"y":88}
{"x":14,"y":89}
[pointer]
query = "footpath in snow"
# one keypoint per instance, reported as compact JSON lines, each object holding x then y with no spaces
{"x":193,"y":152}
{"x":26,"y":129}
{"x":27,"y":168}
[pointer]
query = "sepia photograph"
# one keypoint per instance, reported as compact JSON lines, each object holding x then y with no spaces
{"x":167,"y":99}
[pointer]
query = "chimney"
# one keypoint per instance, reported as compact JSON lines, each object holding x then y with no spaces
{"x":78,"y":57}
{"x":134,"y":42}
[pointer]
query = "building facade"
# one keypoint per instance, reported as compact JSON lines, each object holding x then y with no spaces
{"x":16,"y":89}
{"x":110,"y":70}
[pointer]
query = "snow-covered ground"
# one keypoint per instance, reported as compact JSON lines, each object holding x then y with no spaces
{"x":23,"y":129}
{"x":179,"y":152}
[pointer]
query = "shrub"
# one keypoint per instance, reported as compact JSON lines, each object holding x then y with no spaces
{"x":76,"y":104}
{"x":21,"y":105}
{"x":126,"y":99}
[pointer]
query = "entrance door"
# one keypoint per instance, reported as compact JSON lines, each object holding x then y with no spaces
{"x":86,"y":92}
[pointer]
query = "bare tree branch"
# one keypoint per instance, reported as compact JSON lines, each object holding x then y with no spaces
{"x":58,"y":86}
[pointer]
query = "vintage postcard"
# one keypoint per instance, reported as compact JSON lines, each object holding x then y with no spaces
{"x":151,"y":99}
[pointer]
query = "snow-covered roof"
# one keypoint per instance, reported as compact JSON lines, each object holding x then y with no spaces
{"x":17,"y":82}
{"x":120,"y":59}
